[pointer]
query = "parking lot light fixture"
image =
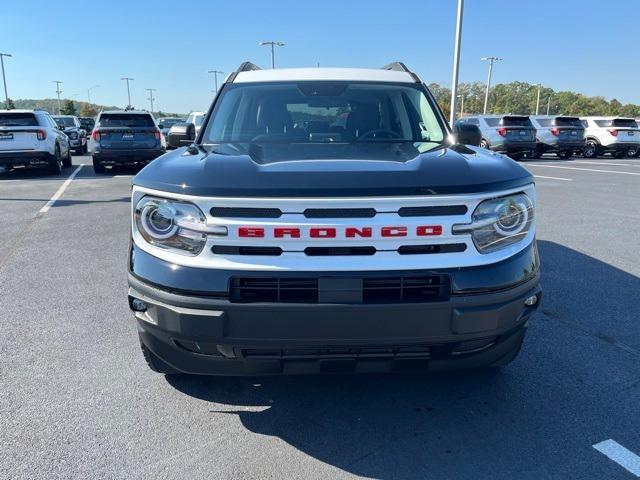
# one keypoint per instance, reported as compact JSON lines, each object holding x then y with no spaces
{"x":539,"y":85}
{"x":548,"y":104}
{"x":58,"y":92}
{"x":273,"y":53}
{"x":491,"y":61}
{"x":89,"y":92}
{"x":215,"y":77}
{"x":456,"y":64}
{"x":461,"y":97}
{"x":128,"y":79}
{"x":4,"y":78}
{"x":151,"y":98}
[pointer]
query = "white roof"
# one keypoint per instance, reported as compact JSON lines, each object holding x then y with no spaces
{"x":318,"y":74}
{"x":21,"y":110}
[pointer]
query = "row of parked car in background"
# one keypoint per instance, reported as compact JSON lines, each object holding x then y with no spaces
{"x":34,"y":138}
{"x":532,"y":136}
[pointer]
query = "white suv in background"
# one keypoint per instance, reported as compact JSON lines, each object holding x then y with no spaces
{"x":197,"y":118}
{"x":616,"y":135}
{"x":31,"y":138}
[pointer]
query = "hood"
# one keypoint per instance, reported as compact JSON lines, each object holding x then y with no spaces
{"x":313,"y":170}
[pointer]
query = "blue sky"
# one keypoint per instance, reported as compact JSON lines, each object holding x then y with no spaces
{"x":580,"y":45}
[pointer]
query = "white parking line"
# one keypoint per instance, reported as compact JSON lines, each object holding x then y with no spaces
{"x":605,"y":163}
{"x":555,"y":178}
{"x":623,"y":457}
{"x":583,"y":169}
{"x":61,"y":190}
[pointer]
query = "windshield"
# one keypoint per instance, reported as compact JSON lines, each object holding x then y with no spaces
{"x":65,"y":121}
{"x":169,"y":122}
{"x":323,"y":112}
{"x":126,"y":120}
{"x":18,"y":120}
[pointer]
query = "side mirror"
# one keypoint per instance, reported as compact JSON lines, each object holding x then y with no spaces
{"x":467,"y":134}
{"x":160,"y":126}
{"x":181,"y":134}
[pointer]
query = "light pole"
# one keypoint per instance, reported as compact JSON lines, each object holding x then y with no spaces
{"x":486,"y":93}
{"x":89,"y":92}
{"x":4,"y":79}
{"x":127,"y":79}
{"x":456,"y":64}
{"x":58,"y":91}
{"x":539,"y":85}
{"x":461,"y":96}
{"x":273,"y":53}
{"x":151,"y":99}
{"x":548,"y":104}
{"x":215,"y":77}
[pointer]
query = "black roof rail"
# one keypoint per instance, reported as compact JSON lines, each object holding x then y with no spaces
{"x":401,"y":67}
{"x":244,"y":67}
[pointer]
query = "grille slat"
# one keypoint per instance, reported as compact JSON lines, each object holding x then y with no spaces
{"x":433,"y":211}
{"x":243,"y":212}
{"x":403,"y":289}
{"x":340,"y":212}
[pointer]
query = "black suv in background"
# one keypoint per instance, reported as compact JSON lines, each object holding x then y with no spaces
{"x":72,"y":127}
{"x":87,"y":123}
{"x":122,"y":138}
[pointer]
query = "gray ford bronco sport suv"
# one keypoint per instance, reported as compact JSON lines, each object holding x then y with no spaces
{"x":329,"y":221}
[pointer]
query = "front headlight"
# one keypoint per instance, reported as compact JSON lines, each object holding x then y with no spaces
{"x":171,"y":225}
{"x":499,"y":222}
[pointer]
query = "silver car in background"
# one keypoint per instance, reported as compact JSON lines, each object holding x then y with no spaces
{"x":561,"y":135}
{"x":513,"y":135}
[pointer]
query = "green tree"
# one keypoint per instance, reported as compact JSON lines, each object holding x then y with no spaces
{"x":10,"y":105}
{"x":68,"y":108}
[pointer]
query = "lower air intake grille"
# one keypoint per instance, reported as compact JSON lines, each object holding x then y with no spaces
{"x":409,"y":289}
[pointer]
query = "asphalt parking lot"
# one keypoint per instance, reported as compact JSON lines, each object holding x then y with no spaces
{"x":78,"y":401}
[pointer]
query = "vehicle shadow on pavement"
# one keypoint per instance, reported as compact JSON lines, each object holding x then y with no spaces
{"x":539,"y":415}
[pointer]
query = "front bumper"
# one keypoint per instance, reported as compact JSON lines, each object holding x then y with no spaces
{"x":126,"y":156}
{"x":205,"y":333}
{"x":25,"y":159}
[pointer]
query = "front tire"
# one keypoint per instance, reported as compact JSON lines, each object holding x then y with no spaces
{"x":484,"y":144}
{"x":55,"y":164}
{"x":516,"y":156}
{"x":565,"y":154}
{"x":619,"y":154}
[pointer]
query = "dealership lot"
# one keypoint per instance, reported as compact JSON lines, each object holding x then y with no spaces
{"x":77,"y":400}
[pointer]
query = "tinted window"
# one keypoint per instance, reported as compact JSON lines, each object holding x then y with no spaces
{"x":567,"y":122}
{"x":126,"y":120}
{"x":603,"y":123}
{"x":515,"y":122}
{"x":169,"y":122}
{"x":18,"y":120}
{"x":624,"y":122}
{"x":492,"y":122}
{"x":65,"y":121}
{"x":323,"y":112}
{"x":543,"y":122}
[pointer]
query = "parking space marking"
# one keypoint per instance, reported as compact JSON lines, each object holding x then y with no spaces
{"x":555,"y":178}
{"x":605,"y":163}
{"x":623,"y":457}
{"x":61,"y":190}
{"x":583,"y":169}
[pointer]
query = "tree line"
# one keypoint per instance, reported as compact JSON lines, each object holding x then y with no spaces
{"x":520,"y":98}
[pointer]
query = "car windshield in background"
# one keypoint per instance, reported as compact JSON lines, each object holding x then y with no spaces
{"x":169,"y":122}
{"x":197,"y":120}
{"x":323,"y":112}
{"x":18,"y":120}
{"x":567,"y":122}
{"x":617,"y":122}
{"x":126,"y":120}
{"x":65,"y":121}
